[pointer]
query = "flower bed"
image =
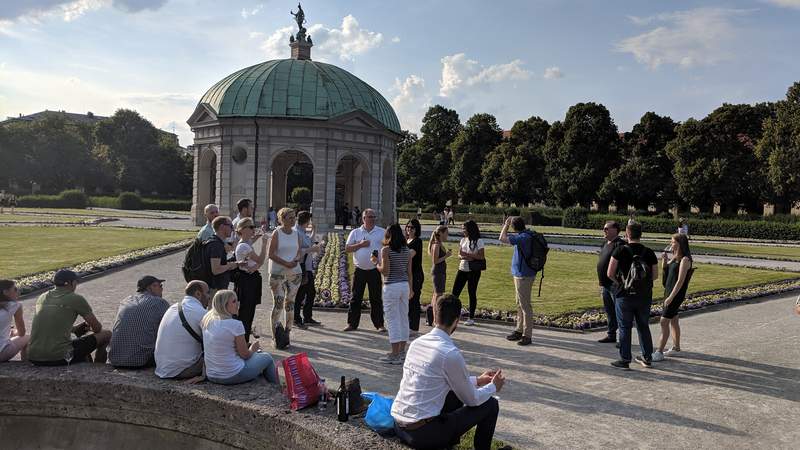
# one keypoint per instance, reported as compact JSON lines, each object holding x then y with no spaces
{"x":333,"y":279}
{"x":43,"y":280}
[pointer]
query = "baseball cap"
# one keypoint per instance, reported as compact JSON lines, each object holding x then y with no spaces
{"x":146,"y":281}
{"x":64,"y":276}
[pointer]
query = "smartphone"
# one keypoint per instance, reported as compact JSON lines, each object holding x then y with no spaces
{"x":375,"y":253}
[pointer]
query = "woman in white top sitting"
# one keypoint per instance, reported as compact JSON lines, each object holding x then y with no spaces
{"x":14,"y":342}
{"x":227,"y":357}
{"x":248,"y":284}
{"x":284,"y":271}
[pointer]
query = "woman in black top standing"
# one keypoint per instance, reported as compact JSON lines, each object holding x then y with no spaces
{"x":413,"y":230}
{"x":677,"y":273}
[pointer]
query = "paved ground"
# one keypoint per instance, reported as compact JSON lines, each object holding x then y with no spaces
{"x":737,"y":385}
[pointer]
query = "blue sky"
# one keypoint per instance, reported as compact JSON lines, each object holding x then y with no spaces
{"x":513,"y":59}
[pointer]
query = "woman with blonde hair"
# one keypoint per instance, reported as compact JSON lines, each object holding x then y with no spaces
{"x":285,"y":250}
{"x":228,"y":360}
{"x":438,"y":265}
{"x":677,"y":273}
{"x":247,"y":284}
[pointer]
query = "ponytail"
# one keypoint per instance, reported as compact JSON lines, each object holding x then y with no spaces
{"x":436,"y":237}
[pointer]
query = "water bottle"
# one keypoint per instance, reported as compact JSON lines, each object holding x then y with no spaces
{"x":323,"y":395}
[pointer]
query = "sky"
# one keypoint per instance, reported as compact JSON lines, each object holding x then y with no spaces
{"x":512,"y":59}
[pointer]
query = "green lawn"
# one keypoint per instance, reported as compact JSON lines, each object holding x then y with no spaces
{"x":27,"y":250}
{"x":570,"y":282}
{"x":12,"y":218}
{"x":99,"y":213}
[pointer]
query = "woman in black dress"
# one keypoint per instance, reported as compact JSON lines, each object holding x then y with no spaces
{"x":247,"y":283}
{"x":413,"y":230}
{"x":677,"y":274}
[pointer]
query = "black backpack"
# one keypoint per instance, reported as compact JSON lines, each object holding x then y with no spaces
{"x":537,"y":257}
{"x":196,"y":266}
{"x":638,"y":280}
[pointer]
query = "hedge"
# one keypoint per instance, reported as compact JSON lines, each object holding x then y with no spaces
{"x":79,"y":200}
{"x":66,"y":199}
{"x":533,"y":217}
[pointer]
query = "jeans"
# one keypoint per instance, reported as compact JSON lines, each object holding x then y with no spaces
{"x":305,"y":299}
{"x":455,"y":420}
{"x":258,"y":364}
{"x":471,"y":279}
{"x":362,"y":279}
{"x":628,"y":310}
{"x":611,"y":310}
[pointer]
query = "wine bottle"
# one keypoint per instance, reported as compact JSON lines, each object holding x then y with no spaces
{"x":342,"y":403}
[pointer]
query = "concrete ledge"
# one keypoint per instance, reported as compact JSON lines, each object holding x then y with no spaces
{"x":96,"y":407}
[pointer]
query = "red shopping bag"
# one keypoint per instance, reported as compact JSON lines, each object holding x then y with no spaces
{"x":302,"y":381}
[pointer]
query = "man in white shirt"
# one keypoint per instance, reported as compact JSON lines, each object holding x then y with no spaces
{"x":178,"y":353}
{"x":438,"y":401}
{"x":362,"y":243}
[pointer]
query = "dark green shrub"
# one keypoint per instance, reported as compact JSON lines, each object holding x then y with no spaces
{"x":39,"y":201}
{"x":73,"y":198}
{"x":104,"y":202}
{"x":301,"y":195}
{"x":130,"y":201}
{"x":577,"y":217}
{"x":166,"y":204}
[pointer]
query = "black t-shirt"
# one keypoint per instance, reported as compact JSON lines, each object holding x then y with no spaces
{"x":624,"y":257}
{"x":605,"y":257}
{"x":215,"y":249}
{"x":416,"y":261}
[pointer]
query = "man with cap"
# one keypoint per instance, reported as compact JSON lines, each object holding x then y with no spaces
{"x":136,"y":327}
{"x":53,"y":322}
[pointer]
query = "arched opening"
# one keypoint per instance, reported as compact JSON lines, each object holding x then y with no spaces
{"x":387,"y":193}
{"x":352,"y":188}
{"x":291,"y":169}
{"x":206,"y":182}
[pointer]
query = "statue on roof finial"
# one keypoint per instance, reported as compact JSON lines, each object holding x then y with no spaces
{"x":299,"y":16}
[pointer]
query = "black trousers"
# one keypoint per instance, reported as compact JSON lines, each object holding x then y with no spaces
{"x":305,"y":299}
{"x":470,"y":279}
{"x":413,"y":304}
{"x":248,"y":291}
{"x":455,"y":420}
{"x":362,"y":279}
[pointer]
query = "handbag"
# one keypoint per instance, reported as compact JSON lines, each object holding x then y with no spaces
{"x":354,"y":398}
{"x":476,"y":265}
{"x":302,"y":381}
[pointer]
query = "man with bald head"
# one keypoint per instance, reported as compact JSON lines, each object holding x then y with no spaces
{"x":211,"y":211}
{"x":363,"y":242}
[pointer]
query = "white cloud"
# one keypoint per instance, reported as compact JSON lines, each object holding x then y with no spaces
{"x":252,"y":12}
{"x":696,"y":37}
{"x":552,"y":73}
{"x":396,"y":39}
{"x":458,"y":71}
{"x":68,"y":10}
{"x":785,"y":3}
{"x":344,"y":43}
{"x":411,"y":101}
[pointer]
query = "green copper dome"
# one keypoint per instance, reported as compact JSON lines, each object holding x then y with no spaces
{"x":295,"y":88}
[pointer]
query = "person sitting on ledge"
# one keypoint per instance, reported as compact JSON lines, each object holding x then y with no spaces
{"x":228,"y":360}
{"x":179,"y":352}
{"x":16,"y":341}
{"x":56,"y":311}
{"x":135,"y":329}
{"x":438,"y":401}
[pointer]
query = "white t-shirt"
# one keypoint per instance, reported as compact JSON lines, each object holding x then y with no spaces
{"x":361,"y":257}
{"x":176,"y":349}
{"x":244,"y":249}
{"x":7,"y":310}
{"x":464,"y":244}
{"x":222,"y":361}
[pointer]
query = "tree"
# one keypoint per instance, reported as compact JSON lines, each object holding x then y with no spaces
{"x":514,"y":171}
{"x":579,"y":153}
{"x":480,"y":135}
{"x":715,"y":159}
{"x":645,"y":175}
{"x":779,"y":151}
{"x":406,"y":144}
{"x":302,"y":196}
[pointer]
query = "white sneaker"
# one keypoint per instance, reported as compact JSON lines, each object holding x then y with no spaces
{"x":387,"y":358}
{"x":658,"y":356}
{"x":469,"y":322}
{"x":672,"y":352}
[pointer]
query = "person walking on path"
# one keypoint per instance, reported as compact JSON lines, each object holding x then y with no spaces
{"x":638,"y":267}
{"x":16,"y":341}
{"x":677,"y":274}
{"x":135,"y":329}
{"x":284,"y":271}
{"x":248,"y":283}
{"x":612,"y":242}
{"x":304,"y":302}
{"x":363,"y":242}
{"x":439,"y":255}
{"x":228,"y":358}
{"x":413,"y":231}
{"x":396,"y":267}
{"x":473,"y":261}
{"x":345,"y":216}
{"x":522,"y":240}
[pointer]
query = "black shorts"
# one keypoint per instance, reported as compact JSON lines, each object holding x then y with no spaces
{"x":81,"y":349}
{"x":671,"y":311}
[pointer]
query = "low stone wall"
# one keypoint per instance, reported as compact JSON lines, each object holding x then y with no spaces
{"x":97,"y":407}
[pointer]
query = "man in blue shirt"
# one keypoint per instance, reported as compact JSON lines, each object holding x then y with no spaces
{"x":522,"y":240}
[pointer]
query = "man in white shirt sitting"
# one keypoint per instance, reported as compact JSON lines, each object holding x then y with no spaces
{"x":438,"y":401}
{"x":178,"y":353}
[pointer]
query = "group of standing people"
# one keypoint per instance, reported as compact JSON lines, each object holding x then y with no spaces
{"x":7,"y":200}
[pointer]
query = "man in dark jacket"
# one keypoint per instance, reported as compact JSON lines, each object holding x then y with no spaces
{"x":612,"y":242}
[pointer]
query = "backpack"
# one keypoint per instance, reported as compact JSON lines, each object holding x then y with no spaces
{"x":638,"y":280}
{"x":537,"y":257}
{"x":195,"y":264}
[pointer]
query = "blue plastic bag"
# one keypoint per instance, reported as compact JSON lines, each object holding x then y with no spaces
{"x":379,"y":414}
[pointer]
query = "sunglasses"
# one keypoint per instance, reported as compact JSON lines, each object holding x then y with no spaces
{"x":372,"y":217}
{"x":252,"y":227}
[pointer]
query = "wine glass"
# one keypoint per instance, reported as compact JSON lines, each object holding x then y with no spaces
{"x":68,"y":357}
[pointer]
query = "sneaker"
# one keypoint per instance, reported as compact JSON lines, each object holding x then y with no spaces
{"x":350,"y":328}
{"x":469,"y":322}
{"x":388,"y":358}
{"x":382,"y":330}
{"x":620,"y":364}
{"x":607,"y":339}
{"x":399,"y":359}
{"x":524,"y":341}
{"x":312,"y":322}
{"x":658,"y":356}
{"x":672,"y":352}
{"x":515,"y":336}
{"x":300,"y":325}
{"x":647,"y":363}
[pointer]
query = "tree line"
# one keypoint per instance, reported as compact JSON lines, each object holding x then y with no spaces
{"x":739,"y":156}
{"x":124,"y":152}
